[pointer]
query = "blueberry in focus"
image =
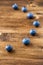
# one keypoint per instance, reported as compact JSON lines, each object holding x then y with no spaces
{"x":36,"y":23}
{"x":33,"y":32}
{"x":9,"y":48}
{"x":15,"y":6}
{"x":26,"y":41}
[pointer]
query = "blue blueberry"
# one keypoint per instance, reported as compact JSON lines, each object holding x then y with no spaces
{"x":15,"y":6}
{"x":26,"y":41}
{"x":24,"y":9}
{"x":30,"y":15}
{"x":33,"y":32}
{"x":9,"y":48}
{"x":36,"y":23}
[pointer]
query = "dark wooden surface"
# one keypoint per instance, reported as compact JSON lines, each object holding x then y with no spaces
{"x":14,"y":26}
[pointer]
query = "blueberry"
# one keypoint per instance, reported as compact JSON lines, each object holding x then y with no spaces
{"x":9,"y":48}
{"x":24,"y":9}
{"x":36,"y":23}
{"x":30,"y":15}
{"x":26,"y":41}
{"x":33,"y":32}
{"x":15,"y":6}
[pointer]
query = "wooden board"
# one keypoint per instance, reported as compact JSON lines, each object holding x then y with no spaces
{"x":14,"y":26}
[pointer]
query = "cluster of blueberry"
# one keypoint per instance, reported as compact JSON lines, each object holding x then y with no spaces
{"x":15,"y":6}
{"x":32,"y":32}
{"x":25,"y":41}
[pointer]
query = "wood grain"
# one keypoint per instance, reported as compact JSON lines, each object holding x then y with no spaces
{"x":14,"y":26}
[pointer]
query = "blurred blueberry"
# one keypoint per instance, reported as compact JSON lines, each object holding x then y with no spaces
{"x":9,"y":48}
{"x":36,"y":23}
{"x":26,"y":41}
{"x":33,"y":32}
{"x":30,"y":15}
{"x":24,"y":9}
{"x":15,"y":6}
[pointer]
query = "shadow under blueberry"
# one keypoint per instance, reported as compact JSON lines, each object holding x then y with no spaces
{"x":29,"y":45}
{"x":39,"y":36}
{"x":11,"y":52}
